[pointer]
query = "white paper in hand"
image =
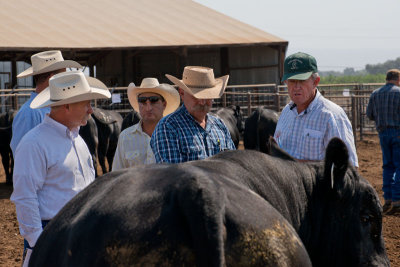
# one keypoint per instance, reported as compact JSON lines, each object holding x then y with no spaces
{"x":27,"y":257}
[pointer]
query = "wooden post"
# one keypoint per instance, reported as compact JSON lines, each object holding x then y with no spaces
{"x":353,"y":118}
{"x":224,"y":100}
{"x":277,"y":102}
{"x":248,"y":103}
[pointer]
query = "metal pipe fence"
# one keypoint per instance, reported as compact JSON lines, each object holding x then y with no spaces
{"x":353,"y":98}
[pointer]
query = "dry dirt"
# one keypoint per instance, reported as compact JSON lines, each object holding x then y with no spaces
{"x":369,"y":154}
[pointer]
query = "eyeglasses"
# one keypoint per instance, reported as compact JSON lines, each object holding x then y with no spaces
{"x":152,"y":99}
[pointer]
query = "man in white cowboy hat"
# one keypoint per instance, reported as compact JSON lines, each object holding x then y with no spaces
{"x":44,"y":65}
{"x":153,"y":101}
{"x":190,"y":133}
{"x":52,"y":162}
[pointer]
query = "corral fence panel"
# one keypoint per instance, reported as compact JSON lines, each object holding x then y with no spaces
{"x":353,"y":98}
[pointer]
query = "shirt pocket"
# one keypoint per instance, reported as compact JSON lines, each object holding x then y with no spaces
{"x":313,"y":144}
{"x":133,"y":158}
{"x":191,"y":151}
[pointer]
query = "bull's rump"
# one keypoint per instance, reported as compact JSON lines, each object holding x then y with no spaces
{"x":170,"y":215}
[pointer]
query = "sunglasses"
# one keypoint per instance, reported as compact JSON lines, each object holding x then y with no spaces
{"x":152,"y":99}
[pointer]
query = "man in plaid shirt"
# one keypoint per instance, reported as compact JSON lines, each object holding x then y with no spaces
{"x":309,"y":121}
{"x":384,"y":109}
{"x":190,"y":133}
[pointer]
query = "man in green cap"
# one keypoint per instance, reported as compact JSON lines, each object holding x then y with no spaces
{"x":309,"y":121}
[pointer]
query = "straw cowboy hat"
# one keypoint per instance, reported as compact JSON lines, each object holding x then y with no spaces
{"x":200,"y":82}
{"x":70,"y":87}
{"x":151,"y":85}
{"x":48,"y":61}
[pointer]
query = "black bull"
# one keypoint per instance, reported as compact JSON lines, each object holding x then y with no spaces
{"x":238,"y":208}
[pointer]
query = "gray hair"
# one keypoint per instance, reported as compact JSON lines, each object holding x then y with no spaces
{"x":315,"y":75}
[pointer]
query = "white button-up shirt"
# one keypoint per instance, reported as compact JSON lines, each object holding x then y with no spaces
{"x":306,"y":135}
{"x":133,"y":148}
{"x":52,"y":165}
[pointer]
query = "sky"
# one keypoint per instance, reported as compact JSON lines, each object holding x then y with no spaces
{"x":339,"y":33}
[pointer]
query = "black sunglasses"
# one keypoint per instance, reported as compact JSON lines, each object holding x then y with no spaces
{"x":152,"y":99}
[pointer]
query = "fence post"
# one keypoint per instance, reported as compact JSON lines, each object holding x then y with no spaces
{"x":224,"y":100}
{"x":277,"y":102}
{"x":15,"y":102}
{"x":353,"y":118}
{"x":248,"y":103}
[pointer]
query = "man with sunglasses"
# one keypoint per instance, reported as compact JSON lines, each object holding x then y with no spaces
{"x":153,"y":101}
{"x":190,"y":133}
{"x":309,"y":121}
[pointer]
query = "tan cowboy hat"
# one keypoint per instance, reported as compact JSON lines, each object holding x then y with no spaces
{"x":151,"y":85}
{"x":48,"y":61}
{"x":70,"y":87}
{"x":200,"y":82}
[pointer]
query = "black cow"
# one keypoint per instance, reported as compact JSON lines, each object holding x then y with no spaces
{"x":259,"y":126}
{"x":89,"y":133}
{"x":233,"y":119}
{"x":130,"y":119}
{"x":109,"y":124}
{"x":7,"y":158}
{"x":237,"y":208}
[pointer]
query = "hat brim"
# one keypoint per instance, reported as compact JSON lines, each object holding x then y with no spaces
{"x":168,"y":92}
{"x":56,"y":66}
{"x":297,"y":76}
{"x":98,"y":91}
{"x":203,"y":93}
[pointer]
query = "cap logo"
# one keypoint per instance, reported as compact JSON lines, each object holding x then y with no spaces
{"x":293,"y":64}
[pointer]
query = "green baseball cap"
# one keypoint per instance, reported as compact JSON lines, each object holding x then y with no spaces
{"x":299,"y":66}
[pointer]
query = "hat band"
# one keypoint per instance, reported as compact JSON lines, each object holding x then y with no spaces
{"x":200,"y":86}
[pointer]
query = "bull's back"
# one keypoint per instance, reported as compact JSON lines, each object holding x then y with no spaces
{"x":169,"y":215}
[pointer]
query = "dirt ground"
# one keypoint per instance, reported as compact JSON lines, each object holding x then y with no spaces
{"x":369,"y":154}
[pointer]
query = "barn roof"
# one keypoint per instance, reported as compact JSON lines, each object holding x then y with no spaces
{"x":96,"y":24}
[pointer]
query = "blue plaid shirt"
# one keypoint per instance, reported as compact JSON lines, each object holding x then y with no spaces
{"x":306,"y":135}
{"x":384,"y":107}
{"x":179,"y":138}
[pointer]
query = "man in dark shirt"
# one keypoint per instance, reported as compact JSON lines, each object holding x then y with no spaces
{"x":384,"y":109}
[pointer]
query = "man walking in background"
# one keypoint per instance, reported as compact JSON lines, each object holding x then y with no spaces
{"x":384,"y":109}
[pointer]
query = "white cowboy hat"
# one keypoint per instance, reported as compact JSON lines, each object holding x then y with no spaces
{"x":70,"y":87}
{"x":200,"y":82}
{"x":48,"y":61}
{"x":151,"y":85}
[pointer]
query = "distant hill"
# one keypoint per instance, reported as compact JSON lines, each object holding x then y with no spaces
{"x":380,"y":68}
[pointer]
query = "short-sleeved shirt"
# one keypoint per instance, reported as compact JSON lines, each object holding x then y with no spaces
{"x":25,"y":120}
{"x":384,"y":107}
{"x":133,"y":148}
{"x":306,"y":135}
{"x":178,"y":137}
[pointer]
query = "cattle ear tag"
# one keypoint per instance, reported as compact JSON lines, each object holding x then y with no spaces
{"x":332,"y":178}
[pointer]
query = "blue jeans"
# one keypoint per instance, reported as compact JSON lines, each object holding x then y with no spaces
{"x":390,"y":145}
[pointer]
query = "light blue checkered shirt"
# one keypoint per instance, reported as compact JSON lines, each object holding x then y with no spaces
{"x":306,"y":135}
{"x":179,"y":138}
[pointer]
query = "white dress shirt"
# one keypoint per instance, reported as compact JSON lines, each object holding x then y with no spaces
{"x":133,"y":148}
{"x":52,"y":165}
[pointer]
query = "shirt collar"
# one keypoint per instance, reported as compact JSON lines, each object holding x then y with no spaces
{"x":136,"y":127}
{"x":61,"y":128}
{"x":310,"y":107}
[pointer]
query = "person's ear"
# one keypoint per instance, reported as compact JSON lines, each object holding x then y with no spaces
{"x":316,"y":81}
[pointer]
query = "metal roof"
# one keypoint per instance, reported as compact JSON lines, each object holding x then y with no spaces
{"x":93,"y":24}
